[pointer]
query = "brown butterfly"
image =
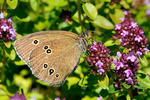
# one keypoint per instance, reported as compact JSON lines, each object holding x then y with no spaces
{"x":51,"y":55}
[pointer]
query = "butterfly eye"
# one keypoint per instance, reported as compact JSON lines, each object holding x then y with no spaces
{"x":46,"y":47}
{"x":35,"y":41}
{"x":45,"y":65}
{"x":51,"y":71}
{"x":48,"y":51}
{"x":57,"y":75}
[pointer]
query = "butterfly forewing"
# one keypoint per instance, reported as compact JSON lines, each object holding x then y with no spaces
{"x":27,"y":43}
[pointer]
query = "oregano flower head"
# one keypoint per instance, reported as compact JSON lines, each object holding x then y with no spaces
{"x":99,"y":58}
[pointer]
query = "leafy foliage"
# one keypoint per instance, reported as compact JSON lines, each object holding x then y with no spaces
{"x":99,"y":18}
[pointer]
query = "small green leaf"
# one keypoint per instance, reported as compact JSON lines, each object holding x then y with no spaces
{"x":24,"y":83}
{"x":126,"y":85}
{"x":12,"y":54}
{"x":34,"y":4}
{"x":83,"y":82}
{"x":109,"y":43}
{"x":116,"y":16}
{"x":72,"y":81}
{"x":128,"y":97}
{"x":144,"y":80}
{"x":90,"y":10}
{"x":89,"y":98}
{"x":75,"y":17}
{"x":144,"y":62}
{"x":19,"y":63}
{"x":111,"y":89}
{"x":103,"y":22}
{"x":104,"y":83}
{"x":7,"y":44}
{"x":12,"y":3}
{"x":79,"y":71}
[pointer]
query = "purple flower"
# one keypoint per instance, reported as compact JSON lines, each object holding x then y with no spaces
{"x":132,"y":58}
{"x":119,"y":54}
{"x":116,"y":85}
{"x":6,"y":29}
{"x":133,"y":24}
{"x":122,"y":19}
{"x":10,"y":20}
{"x":101,"y":71}
{"x":128,"y":73}
{"x":138,"y":38}
{"x":148,"y":12}
{"x":127,"y":66}
{"x":146,"y":2}
{"x":1,"y":15}
{"x":57,"y":98}
{"x":138,"y":53}
{"x":119,"y":65}
{"x":18,"y":96}
{"x":117,"y":26}
{"x":99,"y":64}
{"x":130,"y":35}
{"x":129,"y":80}
{"x":99,"y":98}
{"x":125,"y":12}
{"x":99,"y":58}
{"x":146,"y":50}
{"x":124,"y":33}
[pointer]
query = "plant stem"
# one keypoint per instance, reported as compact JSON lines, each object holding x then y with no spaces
{"x":79,"y":15}
{"x":3,"y":61}
{"x":3,"y":6}
{"x":130,"y":93}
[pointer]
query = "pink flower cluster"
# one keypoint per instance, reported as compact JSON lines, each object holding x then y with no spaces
{"x":131,"y":35}
{"x":99,"y":57}
{"x":6,"y":29}
{"x":126,"y":67}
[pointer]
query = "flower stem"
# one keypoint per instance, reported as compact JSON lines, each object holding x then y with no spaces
{"x":3,"y":6}
{"x":3,"y":62}
{"x":130,"y":93}
{"x":79,"y":15}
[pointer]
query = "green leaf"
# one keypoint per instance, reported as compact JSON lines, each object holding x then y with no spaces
{"x":34,"y":4}
{"x":90,"y":10}
{"x":89,"y":98}
{"x":12,"y":3}
{"x":126,"y":85}
{"x":24,"y":83}
{"x":75,"y":17}
{"x":72,"y":81}
{"x":27,"y":19}
{"x":7,"y":44}
{"x":144,"y":62}
{"x":104,"y":83}
{"x":116,"y":16}
{"x":19,"y":63}
{"x":79,"y":71}
{"x":109,"y":43}
{"x":12,"y":54}
{"x":42,"y":83}
{"x":128,"y":97}
{"x":83,"y":82}
{"x":144,"y":80}
{"x":103,"y":22}
{"x":111,"y":89}
{"x":41,"y":25}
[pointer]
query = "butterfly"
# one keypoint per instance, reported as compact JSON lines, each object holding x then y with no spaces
{"x":51,"y":55}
